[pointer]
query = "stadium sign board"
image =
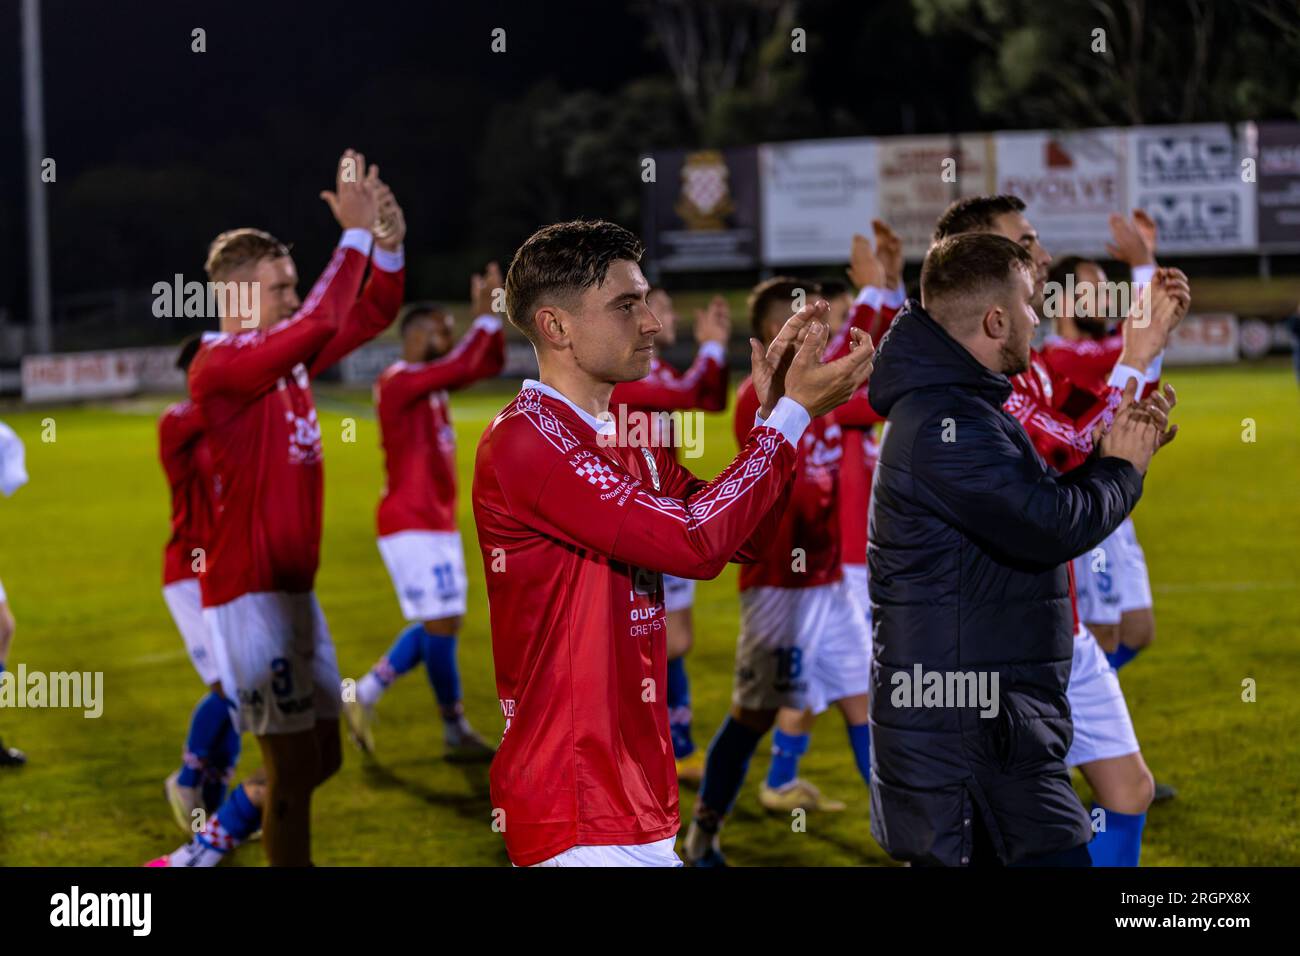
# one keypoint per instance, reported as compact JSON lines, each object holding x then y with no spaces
{"x":815,"y":196}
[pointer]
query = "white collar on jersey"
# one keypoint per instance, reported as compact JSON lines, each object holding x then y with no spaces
{"x":599,"y":426}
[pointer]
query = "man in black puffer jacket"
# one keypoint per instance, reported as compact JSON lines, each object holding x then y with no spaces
{"x":970,"y":538}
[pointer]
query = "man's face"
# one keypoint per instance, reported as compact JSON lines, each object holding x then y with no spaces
{"x":1091,"y":303}
{"x":839,"y":311}
{"x":1014,"y":226}
{"x":612,"y":330}
{"x":1022,"y":318}
{"x":661,"y":304}
{"x":429,"y":337}
{"x":277,"y":298}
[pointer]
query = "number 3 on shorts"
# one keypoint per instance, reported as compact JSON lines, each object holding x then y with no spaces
{"x":281,"y":677}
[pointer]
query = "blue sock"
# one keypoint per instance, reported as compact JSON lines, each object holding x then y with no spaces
{"x":860,"y":738}
{"x":440,"y":663}
{"x":679,"y":708}
{"x":405,"y":653}
{"x":1121,"y":656}
{"x":726,"y":766}
{"x":220,"y":769}
{"x":786,"y":751}
{"x":208,"y":727}
{"x":1120,"y":844}
{"x":235,"y":820}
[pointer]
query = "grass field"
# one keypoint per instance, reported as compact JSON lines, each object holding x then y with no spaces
{"x":80,"y":551}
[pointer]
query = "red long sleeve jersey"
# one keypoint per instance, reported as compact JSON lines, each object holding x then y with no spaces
{"x":416,"y":433}
{"x":805,"y":552}
{"x":860,"y":448}
{"x":188,"y":467}
{"x":254,"y":390}
{"x":575,"y":534}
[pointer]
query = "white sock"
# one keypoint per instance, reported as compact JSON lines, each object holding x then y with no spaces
{"x":369,"y":689}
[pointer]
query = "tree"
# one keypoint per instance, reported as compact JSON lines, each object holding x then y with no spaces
{"x":1099,"y":62}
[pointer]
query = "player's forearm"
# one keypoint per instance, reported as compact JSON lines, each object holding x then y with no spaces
{"x":697,"y":537}
{"x":369,"y":314}
{"x":480,"y":354}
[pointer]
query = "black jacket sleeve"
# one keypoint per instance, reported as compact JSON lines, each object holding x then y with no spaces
{"x":1004,"y":498}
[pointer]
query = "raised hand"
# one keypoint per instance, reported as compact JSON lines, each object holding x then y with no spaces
{"x":389,"y":228}
{"x":713,"y":324}
{"x":821,"y":387}
{"x":889,"y":250}
{"x":1154,"y":315}
{"x":1146,"y":227}
{"x":1133,"y":436}
{"x":768,"y":366}
{"x":353,"y":200}
{"x":1135,"y":239}
{"x":482,"y":289}
{"x":865,"y":269}
{"x":1158,"y":405}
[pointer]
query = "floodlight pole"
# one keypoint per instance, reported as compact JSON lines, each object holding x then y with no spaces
{"x":38,"y":246}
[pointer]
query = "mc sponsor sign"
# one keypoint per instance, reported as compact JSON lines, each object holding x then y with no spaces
{"x":1193,"y":182}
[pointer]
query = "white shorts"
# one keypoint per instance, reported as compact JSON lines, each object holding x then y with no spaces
{"x":186,"y":604}
{"x":679,"y":593}
{"x":800,"y":647}
{"x":428,"y":572}
{"x":1102,"y":726}
{"x":276,"y":659}
{"x":3,"y":598}
{"x":855,"y":576}
{"x":1112,"y":578}
{"x":659,"y":853}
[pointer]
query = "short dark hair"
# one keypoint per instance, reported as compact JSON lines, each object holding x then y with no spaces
{"x":417,"y":310}
{"x":969,"y":263}
{"x":189,"y":348}
{"x":780,"y":289}
{"x":1066,"y":265}
{"x":832,"y":288}
{"x":562,"y":261}
{"x":975,"y":214}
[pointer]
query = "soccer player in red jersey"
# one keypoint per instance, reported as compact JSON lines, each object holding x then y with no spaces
{"x":252,"y":384}
{"x":878,"y":274}
{"x":650,"y":403}
{"x":803,"y":641}
{"x":577,"y":530}
{"x":1114,"y":587}
{"x":418,"y":535}
{"x":212,"y":744}
{"x":1062,"y":420}
{"x":1084,"y":348}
